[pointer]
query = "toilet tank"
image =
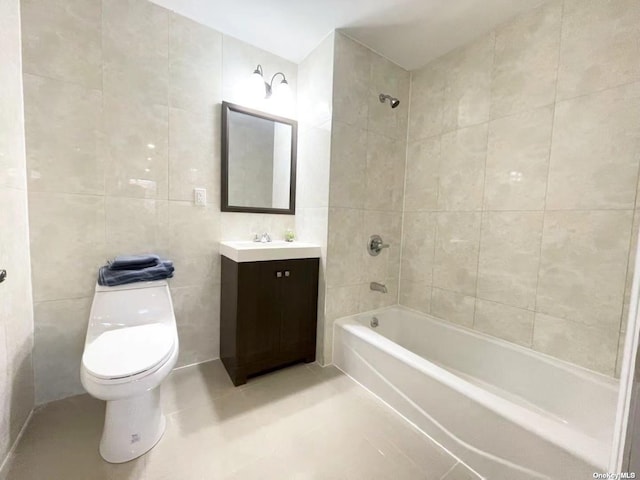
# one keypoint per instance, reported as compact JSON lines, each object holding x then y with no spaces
{"x":140,"y":303}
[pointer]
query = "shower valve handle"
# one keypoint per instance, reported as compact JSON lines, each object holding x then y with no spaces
{"x":375,"y":245}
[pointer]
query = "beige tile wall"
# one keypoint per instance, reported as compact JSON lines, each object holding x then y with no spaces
{"x":315,"y":93}
{"x":368,"y":149}
{"x":16,"y":311}
{"x":122,"y":106}
{"x":521,"y":181}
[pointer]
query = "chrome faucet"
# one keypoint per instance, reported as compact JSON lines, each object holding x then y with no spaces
{"x":378,"y":287}
{"x":264,"y":238}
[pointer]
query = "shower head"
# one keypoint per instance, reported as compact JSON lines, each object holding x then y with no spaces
{"x":394,"y":102}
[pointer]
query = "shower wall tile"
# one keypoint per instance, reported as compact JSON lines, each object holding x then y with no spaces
{"x":452,"y":306}
{"x":518,"y":161}
{"x":195,"y":66}
{"x":346,"y":247}
{"x":595,"y":151}
{"x":366,"y":188}
{"x":385,"y":266}
{"x":600,"y":46}
{"x":136,"y":148}
{"x":194,"y":154}
{"x":467,"y":94}
{"x":385,"y":173}
{"x":348,"y":166}
{"x":422,"y":177}
{"x":67,"y":244}
{"x":388,"y":78}
{"x":60,"y":329}
{"x":62,"y":40}
{"x":462,"y":163}
{"x":418,"y":242}
{"x":455,"y":265}
{"x":64,"y":132}
{"x":510,"y":257}
{"x":619,"y":355}
{"x":633,"y":248}
{"x":373,"y":300}
{"x":548,"y":192}
{"x":583,"y":265}
{"x":526,"y":61}
{"x":352,"y":70}
{"x":427,"y":100}
{"x":592,"y":347}
{"x":415,"y":295}
{"x":342,"y":301}
{"x":502,"y":321}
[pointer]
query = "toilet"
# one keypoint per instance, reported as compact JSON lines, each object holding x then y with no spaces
{"x":130,"y":348}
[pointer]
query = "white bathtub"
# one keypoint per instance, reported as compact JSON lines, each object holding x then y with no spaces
{"x":506,"y":411}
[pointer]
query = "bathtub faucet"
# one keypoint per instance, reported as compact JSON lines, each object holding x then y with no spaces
{"x":378,"y":287}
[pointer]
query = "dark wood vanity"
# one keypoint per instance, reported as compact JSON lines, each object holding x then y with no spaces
{"x":268,"y":315}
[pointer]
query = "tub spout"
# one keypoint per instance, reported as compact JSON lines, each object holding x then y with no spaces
{"x":378,"y":287}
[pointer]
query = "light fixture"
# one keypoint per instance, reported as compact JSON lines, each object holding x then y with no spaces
{"x":260,"y":85}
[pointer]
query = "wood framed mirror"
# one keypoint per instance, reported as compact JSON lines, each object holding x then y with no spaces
{"x":259,"y":153}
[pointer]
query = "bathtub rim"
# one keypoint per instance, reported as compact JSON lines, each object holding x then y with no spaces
{"x":593,"y":451}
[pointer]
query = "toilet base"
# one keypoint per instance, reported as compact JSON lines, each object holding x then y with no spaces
{"x":132,"y":426}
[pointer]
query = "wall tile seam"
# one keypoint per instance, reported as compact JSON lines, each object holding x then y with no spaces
{"x":62,"y":80}
{"x":484,"y":182}
{"x":548,"y":176}
{"x":622,"y":327}
{"x":412,"y":140}
{"x":494,"y":211}
{"x":404,"y":188}
{"x":517,"y":307}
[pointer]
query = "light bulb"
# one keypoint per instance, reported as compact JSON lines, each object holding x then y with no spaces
{"x":283,"y":92}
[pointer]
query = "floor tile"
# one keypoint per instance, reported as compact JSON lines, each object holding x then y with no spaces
{"x":302,"y":422}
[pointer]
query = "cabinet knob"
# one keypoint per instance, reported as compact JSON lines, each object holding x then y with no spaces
{"x":3,"y":275}
{"x":287,"y":273}
{"x":279,"y":274}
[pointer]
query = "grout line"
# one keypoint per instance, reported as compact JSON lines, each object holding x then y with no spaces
{"x":404,"y":189}
{"x":546,"y":187}
{"x":443,"y":477}
{"x":6,"y":462}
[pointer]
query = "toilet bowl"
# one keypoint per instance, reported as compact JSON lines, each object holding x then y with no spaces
{"x":130,"y":348}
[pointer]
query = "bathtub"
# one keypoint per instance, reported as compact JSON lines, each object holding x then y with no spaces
{"x":506,"y":411}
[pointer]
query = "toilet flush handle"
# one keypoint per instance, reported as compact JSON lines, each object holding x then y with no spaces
{"x":3,"y":275}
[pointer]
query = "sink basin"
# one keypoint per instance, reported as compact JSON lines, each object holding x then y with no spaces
{"x":245,"y":251}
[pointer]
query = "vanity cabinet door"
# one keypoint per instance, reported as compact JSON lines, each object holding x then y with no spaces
{"x":258,"y":315}
{"x":299,"y":303}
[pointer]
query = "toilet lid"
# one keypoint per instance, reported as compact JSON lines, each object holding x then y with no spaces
{"x":128,"y":351}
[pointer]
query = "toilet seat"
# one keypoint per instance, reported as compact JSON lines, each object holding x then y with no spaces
{"x":129,"y":352}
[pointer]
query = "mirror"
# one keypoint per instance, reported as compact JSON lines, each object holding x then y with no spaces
{"x":258,"y":161}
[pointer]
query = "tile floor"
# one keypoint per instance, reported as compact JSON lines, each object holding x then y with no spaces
{"x":303,"y":422}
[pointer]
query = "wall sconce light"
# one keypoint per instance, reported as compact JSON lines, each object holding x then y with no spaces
{"x":261,"y":87}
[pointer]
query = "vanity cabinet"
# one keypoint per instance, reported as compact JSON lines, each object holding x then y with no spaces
{"x":268,"y":315}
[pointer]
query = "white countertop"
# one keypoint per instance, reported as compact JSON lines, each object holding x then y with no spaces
{"x":247,"y":251}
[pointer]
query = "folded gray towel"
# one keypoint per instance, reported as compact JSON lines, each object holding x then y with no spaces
{"x":133,"y":262}
{"x":110,"y":277}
